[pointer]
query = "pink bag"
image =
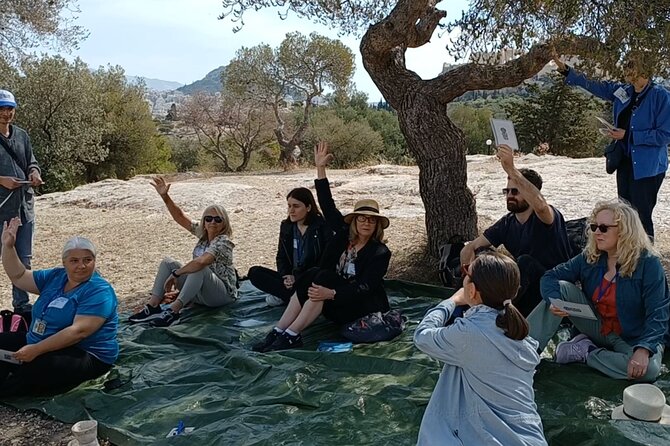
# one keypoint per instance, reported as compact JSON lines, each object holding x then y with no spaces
{"x":11,"y":322}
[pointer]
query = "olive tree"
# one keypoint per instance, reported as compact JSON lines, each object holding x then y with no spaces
{"x":28,"y":24}
{"x":302,"y":66}
{"x":600,"y":32}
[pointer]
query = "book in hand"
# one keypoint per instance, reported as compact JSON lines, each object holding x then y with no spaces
{"x":503,"y":132}
{"x":574,"y":309}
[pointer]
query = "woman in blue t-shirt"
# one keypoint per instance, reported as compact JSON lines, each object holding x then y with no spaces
{"x":72,"y":337}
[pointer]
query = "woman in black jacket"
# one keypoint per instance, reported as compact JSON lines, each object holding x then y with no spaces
{"x":349,"y":283}
{"x":302,"y":238}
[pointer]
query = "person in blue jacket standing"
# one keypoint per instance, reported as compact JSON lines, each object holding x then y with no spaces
{"x":641,"y":112}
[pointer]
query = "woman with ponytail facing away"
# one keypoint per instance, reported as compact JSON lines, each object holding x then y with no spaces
{"x":485,"y":392}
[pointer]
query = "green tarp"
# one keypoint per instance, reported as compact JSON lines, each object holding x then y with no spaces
{"x":203,"y":372}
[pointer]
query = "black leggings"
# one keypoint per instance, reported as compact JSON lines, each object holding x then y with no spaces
{"x":52,"y":372}
{"x":270,"y":281}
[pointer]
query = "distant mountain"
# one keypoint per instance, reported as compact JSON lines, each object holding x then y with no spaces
{"x":154,"y":84}
{"x":209,"y":84}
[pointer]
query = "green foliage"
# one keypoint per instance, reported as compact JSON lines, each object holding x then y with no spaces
{"x":28,"y":24}
{"x":85,"y":125}
{"x":475,"y":121}
{"x":352,"y":143}
{"x":560,"y":116}
{"x":185,"y":153}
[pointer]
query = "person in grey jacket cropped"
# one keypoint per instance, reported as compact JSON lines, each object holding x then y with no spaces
{"x":19,"y":173}
{"x":484,"y":395}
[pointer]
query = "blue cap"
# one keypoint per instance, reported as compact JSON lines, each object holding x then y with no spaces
{"x":7,"y":99}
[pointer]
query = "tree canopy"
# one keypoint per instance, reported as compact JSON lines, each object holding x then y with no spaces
{"x":27,"y":24}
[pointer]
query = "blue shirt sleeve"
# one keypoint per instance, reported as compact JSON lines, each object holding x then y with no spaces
{"x":43,"y":276}
{"x":99,"y":300}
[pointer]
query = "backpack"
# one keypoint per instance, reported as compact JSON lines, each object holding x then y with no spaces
{"x":375,"y":327}
{"x":577,"y":238}
{"x":11,"y":322}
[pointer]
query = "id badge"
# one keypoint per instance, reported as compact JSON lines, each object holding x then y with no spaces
{"x":39,"y":327}
{"x":621,"y":95}
{"x":351,"y":269}
{"x":295,"y":244}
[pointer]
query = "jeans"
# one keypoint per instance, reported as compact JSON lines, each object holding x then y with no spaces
{"x":24,"y":249}
{"x":613,"y":353}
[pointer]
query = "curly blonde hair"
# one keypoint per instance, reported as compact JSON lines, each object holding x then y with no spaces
{"x":632,"y":241}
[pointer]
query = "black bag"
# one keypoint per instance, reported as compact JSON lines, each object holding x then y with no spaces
{"x":614,"y":154}
{"x":577,"y":238}
{"x":11,"y":322}
{"x":375,"y":327}
{"x":449,"y":268}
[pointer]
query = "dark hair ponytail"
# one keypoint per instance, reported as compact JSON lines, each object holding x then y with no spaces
{"x":497,"y":279}
{"x":513,"y":323}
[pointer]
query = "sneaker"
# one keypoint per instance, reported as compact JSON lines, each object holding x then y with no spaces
{"x":269,"y":339}
{"x":576,"y":349}
{"x":274,"y":301}
{"x":285,"y":341}
{"x":146,"y":314}
{"x":167,"y":318}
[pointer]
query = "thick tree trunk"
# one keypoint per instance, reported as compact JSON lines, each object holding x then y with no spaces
{"x":439,"y":149}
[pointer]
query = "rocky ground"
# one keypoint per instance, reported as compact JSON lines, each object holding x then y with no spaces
{"x":133,"y":231}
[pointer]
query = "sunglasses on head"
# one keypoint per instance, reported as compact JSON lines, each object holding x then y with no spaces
{"x":510,"y":191}
{"x":603,"y":228}
{"x":213,"y":218}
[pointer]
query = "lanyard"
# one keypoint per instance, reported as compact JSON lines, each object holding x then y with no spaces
{"x":299,"y":243}
{"x":601,"y":291}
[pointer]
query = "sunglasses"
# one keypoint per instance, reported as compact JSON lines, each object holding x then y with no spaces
{"x":510,"y":191}
{"x":364,"y":218}
{"x":603,"y":228}
{"x":213,"y":218}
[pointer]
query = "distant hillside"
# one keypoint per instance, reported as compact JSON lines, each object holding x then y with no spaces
{"x":209,"y":84}
{"x":154,"y":84}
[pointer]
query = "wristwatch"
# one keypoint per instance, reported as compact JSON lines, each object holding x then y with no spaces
{"x":174,"y":274}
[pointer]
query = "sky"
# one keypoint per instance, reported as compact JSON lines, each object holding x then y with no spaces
{"x":182,"y":40}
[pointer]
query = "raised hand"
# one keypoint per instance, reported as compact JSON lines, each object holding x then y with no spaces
{"x":9,"y":229}
{"x":506,"y":156}
{"x":321,"y":155}
{"x":161,"y":186}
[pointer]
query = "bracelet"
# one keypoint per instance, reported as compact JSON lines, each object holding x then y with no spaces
{"x":174,"y":274}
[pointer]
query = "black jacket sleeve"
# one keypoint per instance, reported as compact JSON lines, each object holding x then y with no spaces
{"x":332,"y":215}
{"x":284,"y":256}
{"x":369,"y":278}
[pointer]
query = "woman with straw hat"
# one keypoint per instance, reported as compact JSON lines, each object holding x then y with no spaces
{"x":349,"y":283}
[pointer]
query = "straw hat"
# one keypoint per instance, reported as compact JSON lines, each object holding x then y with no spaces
{"x":367,"y":207}
{"x":643,"y":402}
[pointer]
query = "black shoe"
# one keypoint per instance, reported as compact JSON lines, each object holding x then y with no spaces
{"x":146,"y":314}
{"x":167,"y":318}
{"x":269,"y":339}
{"x":285,"y":341}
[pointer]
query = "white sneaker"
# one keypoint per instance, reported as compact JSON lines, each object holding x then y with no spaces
{"x":274,"y":301}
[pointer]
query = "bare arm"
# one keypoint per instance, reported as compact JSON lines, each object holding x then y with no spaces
{"x":16,"y":271}
{"x":468,"y":251}
{"x":81,"y":328}
{"x":162,"y":187}
{"x":528,"y":191}
{"x":321,"y":159}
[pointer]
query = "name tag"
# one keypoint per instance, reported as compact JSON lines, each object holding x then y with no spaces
{"x":39,"y":327}
{"x":351,"y":269}
{"x":621,"y":95}
{"x":58,"y":303}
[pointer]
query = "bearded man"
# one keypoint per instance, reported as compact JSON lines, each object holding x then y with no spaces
{"x":533,"y":231}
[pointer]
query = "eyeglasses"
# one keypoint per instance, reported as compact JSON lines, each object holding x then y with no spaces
{"x":366,"y":218}
{"x":603,"y":228}
{"x":511,"y":190}
{"x":214,"y":218}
